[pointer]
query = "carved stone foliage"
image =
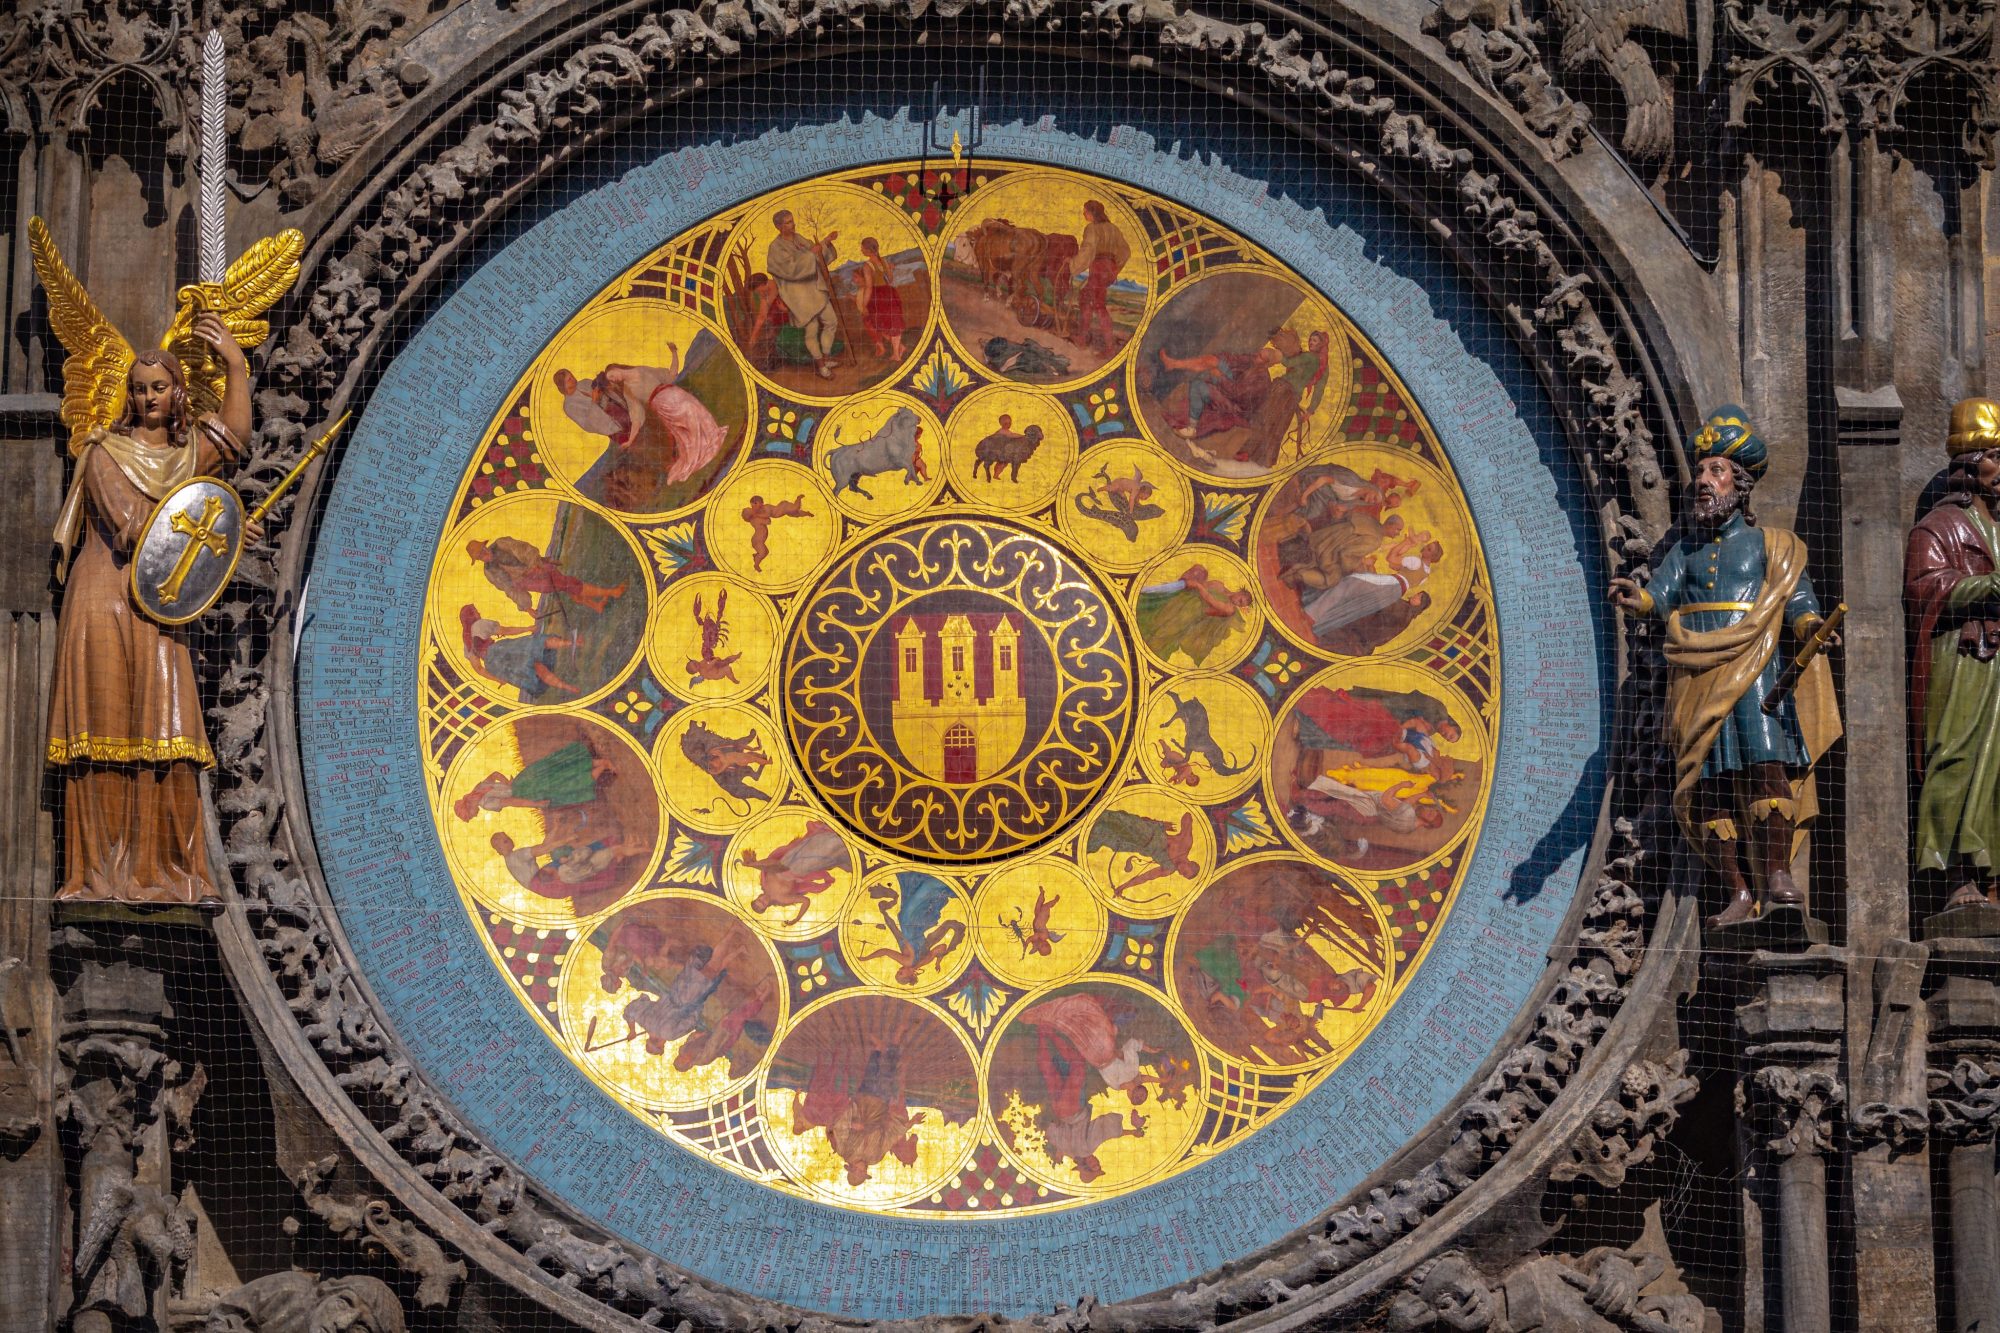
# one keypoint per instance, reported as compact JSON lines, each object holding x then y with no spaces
{"x":1859,"y":59}
{"x":493,"y":148}
{"x":1965,"y":1101}
{"x":309,"y":83}
{"x":1797,"y":1110}
{"x":372,"y":1225}
{"x":1500,"y":44}
{"x":1623,"y":1131}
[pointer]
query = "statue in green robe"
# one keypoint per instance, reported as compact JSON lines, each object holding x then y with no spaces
{"x":1952,"y":595}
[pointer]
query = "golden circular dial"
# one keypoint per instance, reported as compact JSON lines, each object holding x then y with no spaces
{"x":964,"y":710}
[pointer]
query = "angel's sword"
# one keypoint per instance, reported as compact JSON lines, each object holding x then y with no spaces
{"x":213,"y":220}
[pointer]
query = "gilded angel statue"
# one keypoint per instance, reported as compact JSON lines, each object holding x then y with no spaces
{"x":125,"y":724}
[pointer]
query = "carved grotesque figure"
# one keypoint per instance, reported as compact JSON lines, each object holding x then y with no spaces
{"x":302,"y":1303}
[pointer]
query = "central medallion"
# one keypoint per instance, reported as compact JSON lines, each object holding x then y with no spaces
{"x":958,"y":689}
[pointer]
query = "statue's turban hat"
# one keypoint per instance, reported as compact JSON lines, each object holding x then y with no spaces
{"x":1975,"y":424}
{"x":1726,"y":433}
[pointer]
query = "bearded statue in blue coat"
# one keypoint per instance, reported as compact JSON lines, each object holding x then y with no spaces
{"x":1738,"y":603}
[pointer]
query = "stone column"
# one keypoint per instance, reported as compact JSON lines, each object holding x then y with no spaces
{"x":1793,"y":1097}
{"x":124,"y":1104}
{"x":31,"y":1166}
{"x":1964,"y":1086}
{"x":1964,"y":1101}
{"x":1888,"y":1144}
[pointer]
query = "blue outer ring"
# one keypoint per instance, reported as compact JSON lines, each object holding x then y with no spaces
{"x":454,"y":1013}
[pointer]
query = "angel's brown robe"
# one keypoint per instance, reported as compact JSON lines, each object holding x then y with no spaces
{"x":125,"y":724}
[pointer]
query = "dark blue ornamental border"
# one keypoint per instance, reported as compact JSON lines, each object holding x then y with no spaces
{"x":456,"y":1016}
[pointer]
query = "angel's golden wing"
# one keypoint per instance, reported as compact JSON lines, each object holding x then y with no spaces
{"x":99,"y":356}
{"x":258,"y":280}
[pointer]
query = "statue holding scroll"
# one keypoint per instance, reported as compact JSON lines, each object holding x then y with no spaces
{"x":1750,"y":703}
{"x":1952,"y":596}
{"x":125,"y":717}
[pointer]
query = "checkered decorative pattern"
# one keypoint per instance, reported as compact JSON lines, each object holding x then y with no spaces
{"x":455,"y":711}
{"x":688,"y":275}
{"x":1183,"y":247}
{"x":510,"y":462}
{"x":1378,"y":413}
{"x":1414,"y":903}
{"x":732,"y":1129}
{"x":532,"y":958}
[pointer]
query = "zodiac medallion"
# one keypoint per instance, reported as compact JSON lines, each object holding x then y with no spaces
{"x":958,"y":689}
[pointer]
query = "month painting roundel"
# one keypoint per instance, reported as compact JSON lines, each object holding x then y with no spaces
{"x":958,"y":709}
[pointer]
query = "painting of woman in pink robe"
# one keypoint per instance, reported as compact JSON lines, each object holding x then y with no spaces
{"x":664,"y":424}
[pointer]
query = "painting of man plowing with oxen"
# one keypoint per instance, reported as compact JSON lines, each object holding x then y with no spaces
{"x":1044,"y":279}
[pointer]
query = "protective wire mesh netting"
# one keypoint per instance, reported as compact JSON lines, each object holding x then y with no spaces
{"x":950,"y":676}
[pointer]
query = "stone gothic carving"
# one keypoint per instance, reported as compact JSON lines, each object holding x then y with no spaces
{"x":1799,"y":1110}
{"x":372,"y":1225}
{"x":1888,"y":1092}
{"x":20,"y":1084}
{"x":1500,"y":44}
{"x":309,"y":85}
{"x":1623,"y":1131}
{"x":1604,"y":1290}
{"x":1965,"y":1101}
{"x":1861,"y":60}
{"x":382,"y":260}
{"x":133,"y":1236}
{"x":304,"y":1303}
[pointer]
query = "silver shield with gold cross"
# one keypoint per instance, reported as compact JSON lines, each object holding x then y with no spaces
{"x":188,"y":550}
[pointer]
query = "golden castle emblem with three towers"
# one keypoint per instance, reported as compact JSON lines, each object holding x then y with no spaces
{"x":960,"y":710}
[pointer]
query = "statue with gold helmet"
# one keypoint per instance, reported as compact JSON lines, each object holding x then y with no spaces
{"x":1750,"y":700}
{"x":1952,"y":596}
